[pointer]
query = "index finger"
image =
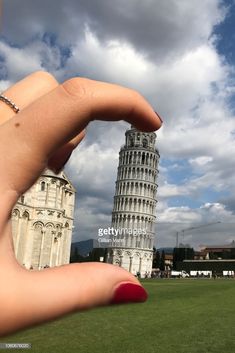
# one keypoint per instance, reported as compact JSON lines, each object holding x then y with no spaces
{"x":54,"y":119}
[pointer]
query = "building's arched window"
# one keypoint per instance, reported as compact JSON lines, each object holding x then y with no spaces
{"x":43,"y":186}
{"x":16,"y":213}
{"x":145,"y":143}
{"x":143,"y":158}
{"x":131,"y":142}
{"x":25,"y":215}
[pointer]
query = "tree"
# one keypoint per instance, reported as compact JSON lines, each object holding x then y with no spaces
{"x":226,"y":255}
{"x":189,"y":254}
{"x":181,"y":254}
{"x":232,"y":254}
{"x":162,"y":261}
{"x":95,"y":254}
{"x":105,"y":255}
{"x":156,"y":258}
{"x":213,"y":256}
{"x":76,"y":257}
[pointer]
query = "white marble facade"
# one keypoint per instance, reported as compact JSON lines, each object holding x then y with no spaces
{"x":135,"y":204}
{"x":42,"y":222}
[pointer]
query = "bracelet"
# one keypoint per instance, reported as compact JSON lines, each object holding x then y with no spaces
{"x":10,"y":103}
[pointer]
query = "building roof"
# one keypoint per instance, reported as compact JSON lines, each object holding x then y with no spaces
{"x":61,"y":175}
{"x":218,"y":247}
{"x":167,"y":250}
{"x":210,"y":261}
{"x":169,"y":257}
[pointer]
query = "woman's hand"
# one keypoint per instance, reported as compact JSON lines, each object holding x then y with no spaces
{"x":43,"y":134}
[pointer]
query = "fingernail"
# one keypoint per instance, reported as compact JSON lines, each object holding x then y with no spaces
{"x":159,"y":117}
{"x":129,"y":293}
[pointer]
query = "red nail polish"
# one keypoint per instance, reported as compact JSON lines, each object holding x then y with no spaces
{"x":159,"y":117}
{"x":129,"y":293}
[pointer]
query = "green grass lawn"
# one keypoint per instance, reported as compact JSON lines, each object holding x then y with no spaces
{"x":181,"y":316}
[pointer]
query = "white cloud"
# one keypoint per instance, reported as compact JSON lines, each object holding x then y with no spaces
{"x":162,"y":29}
{"x":181,"y":214}
{"x":114,"y":61}
{"x":16,"y":59}
{"x":164,"y":49}
{"x":94,"y":166}
{"x":209,"y":224}
{"x":191,"y":90}
{"x":19,"y":62}
{"x":200,"y":161}
{"x":4,"y":84}
{"x":169,"y":190}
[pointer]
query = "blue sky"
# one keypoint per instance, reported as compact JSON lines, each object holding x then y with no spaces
{"x":180,"y":56}
{"x":226,"y":34}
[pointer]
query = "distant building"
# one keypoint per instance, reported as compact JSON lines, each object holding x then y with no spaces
{"x":168,"y":261}
{"x":218,"y":251}
{"x":42,"y":222}
{"x":216,"y":259}
{"x":215,"y":266}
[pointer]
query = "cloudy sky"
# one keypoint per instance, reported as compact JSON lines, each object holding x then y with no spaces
{"x":180,"y":56}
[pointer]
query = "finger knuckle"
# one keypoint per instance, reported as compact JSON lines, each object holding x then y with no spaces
{"x":77,"y":87}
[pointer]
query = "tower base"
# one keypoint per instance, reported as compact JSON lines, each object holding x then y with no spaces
{"x":136,"y":261}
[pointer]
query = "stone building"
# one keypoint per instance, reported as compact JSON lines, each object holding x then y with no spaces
{"x":42,"y":222}
{"x":135,"y":201}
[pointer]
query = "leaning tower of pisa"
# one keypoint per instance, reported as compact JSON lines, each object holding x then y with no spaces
{"x":133,"y":216}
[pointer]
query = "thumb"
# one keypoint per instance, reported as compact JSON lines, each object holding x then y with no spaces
{"x":41,"y":296}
